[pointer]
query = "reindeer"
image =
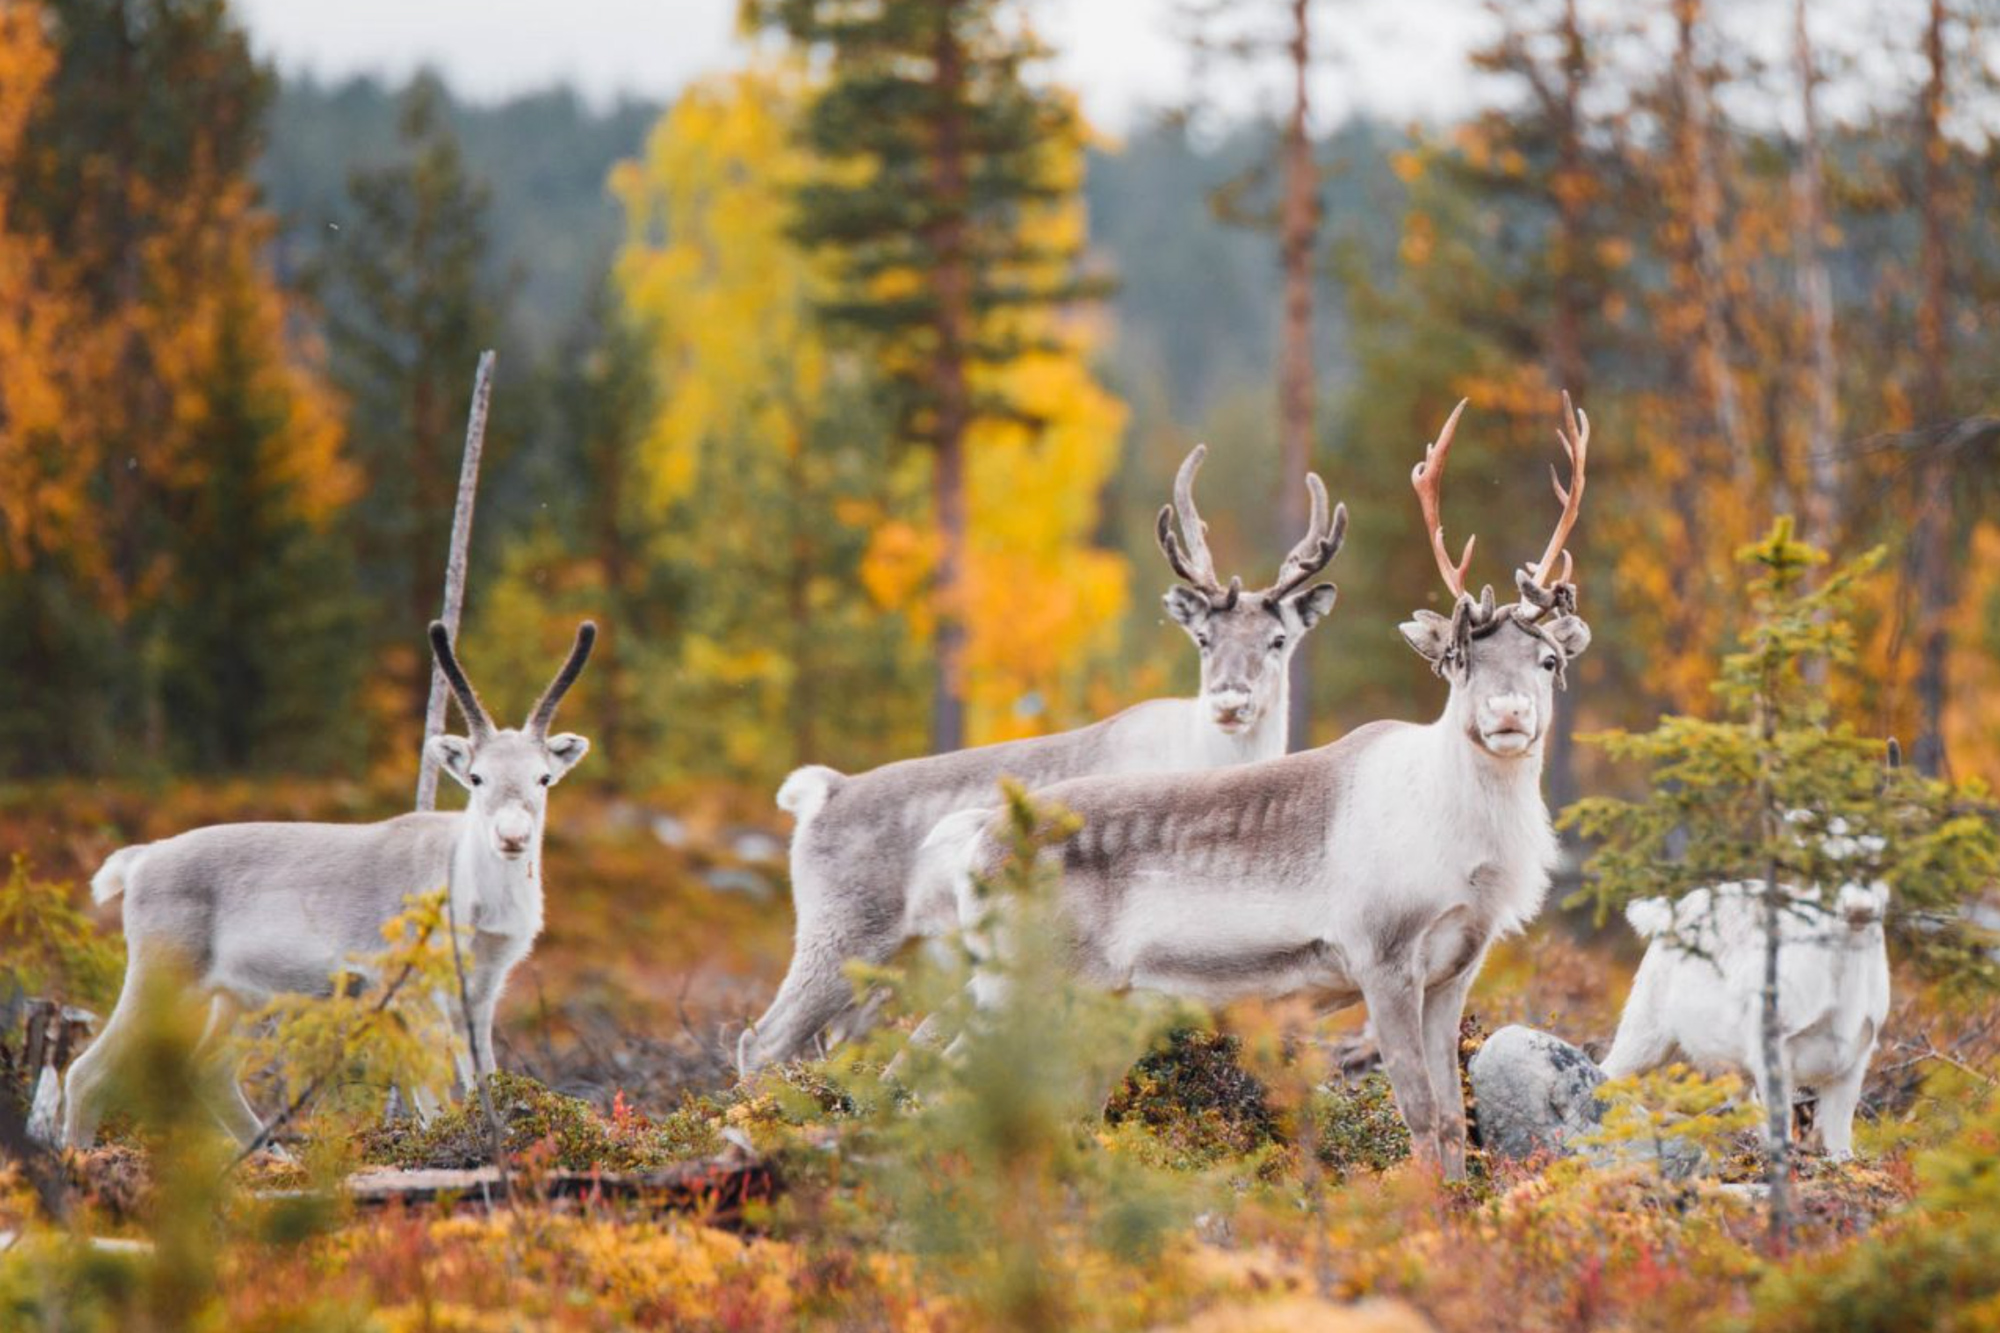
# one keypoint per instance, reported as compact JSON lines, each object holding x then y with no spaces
{"x":859,"y":886}
{"x":250,"y":911}
{"x":1700,"y":987}
{"x":1379,"y":868}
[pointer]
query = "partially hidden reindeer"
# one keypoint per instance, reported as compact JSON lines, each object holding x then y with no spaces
{"x":1700,"y":988}
{"x":250,"y":911}
{"x":860,"y":888}
{"x":1378,"y":868}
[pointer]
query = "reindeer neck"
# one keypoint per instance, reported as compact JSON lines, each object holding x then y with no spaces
{"x":491,"y":894}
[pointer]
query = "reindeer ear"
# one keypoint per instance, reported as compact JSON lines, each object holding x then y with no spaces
{"x":1187,"y":606}
{"x":453,"y":754}
{"x":1570,"y":634}
{"x":1312,"y":605}
{"x":1429,"y":634}
{"x":565,"y":749}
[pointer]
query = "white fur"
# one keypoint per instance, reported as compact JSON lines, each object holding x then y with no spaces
{"x":1436,"y":842}
{"x":1700,"y":990}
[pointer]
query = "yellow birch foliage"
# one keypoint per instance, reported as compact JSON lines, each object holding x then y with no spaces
{"x":764,"y":472}
{"x":721,"y":291}
{"x":1043,"y":601}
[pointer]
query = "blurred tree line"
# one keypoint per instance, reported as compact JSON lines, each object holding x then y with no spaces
{"x":238,"y":323}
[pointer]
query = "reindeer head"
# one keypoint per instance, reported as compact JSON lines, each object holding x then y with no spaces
{"x":509,"y":772}
{"x":1504,"y":662}
{"x":1246,"y":640}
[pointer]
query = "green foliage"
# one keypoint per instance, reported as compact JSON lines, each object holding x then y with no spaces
{"x":1936,"y":1267}
{"x":60,"y":1282}
{"x":1674,"y":1104}
{"x":1757,"y":793}
{"x":918,"y":226}
{"x":409,"y":305}
{"x":1195,"y":1100}
{"x":49,"y":946}
{"x":566,"y":1132}
{"x":989,"y":1159}
{"x":1356,"y":1126}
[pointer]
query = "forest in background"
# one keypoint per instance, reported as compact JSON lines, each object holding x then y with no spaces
{"x":1609,"y":227}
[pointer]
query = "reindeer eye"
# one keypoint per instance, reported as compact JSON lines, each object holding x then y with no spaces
{"x":1277,"y":643}
{"x":1201,"y":641}
{"x":545,"y":779}
{"x":478,"y":781}
{"x":1550,"y":663}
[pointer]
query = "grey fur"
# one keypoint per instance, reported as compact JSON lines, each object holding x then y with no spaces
{"x":1285,"y":875}
{"x":861,"y":884}
{"x":250,"y":911}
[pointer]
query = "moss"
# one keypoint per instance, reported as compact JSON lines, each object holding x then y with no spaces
{"x":1196,"y":1100}
{"x":1357,"y":1126}
{"x":531,"y":1115}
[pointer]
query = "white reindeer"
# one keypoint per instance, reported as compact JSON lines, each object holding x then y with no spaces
{"x":1378,"y":868}
{"x":1700,"y":988}
{"x":859,"y":888}
{"x":250,"y":911}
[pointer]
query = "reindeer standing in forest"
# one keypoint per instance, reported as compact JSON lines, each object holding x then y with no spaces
{"x":250,"y":911}
{"x":860,"y":887}
{"x":1379,"y":868}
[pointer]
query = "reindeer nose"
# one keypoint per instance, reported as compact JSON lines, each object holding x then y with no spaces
{"x":1512,"y":712}
{"x":1231,"y":705}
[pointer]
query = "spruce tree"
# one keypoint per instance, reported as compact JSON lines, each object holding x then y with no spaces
{"x":409,"y":306}
{"x":932,"y":133}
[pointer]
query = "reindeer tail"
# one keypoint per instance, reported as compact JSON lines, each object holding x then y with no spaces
{"x":808,"y":789}
{"x":112,"y":878}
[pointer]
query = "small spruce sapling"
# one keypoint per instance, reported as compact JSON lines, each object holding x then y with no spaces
{"x":1754,"y":794}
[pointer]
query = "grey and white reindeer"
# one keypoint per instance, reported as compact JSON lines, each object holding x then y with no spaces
{"x":1379,"y":868}
{"x":250,"y":911}
{"x":861,"y":889}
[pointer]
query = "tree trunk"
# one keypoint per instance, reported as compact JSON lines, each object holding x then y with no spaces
{"x":1823,"y":472}
{"x":1697,"y":153}
{"x":1778,"y":1102}
{"x":953,"y":281}
{"x":1298,"y":242}
{"x":1572,"y":303}
{"x":1935,"y":577}
{"x":454,"y":570}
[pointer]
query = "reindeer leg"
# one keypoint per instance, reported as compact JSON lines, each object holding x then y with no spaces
{"x":1444,"y":1007}
{"x":225,"y":1093}
{"x":1396,"y":1007}
{"x":1837,"y":1101}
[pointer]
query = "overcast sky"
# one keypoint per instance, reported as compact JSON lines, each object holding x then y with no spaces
{"x":1400,"y":58}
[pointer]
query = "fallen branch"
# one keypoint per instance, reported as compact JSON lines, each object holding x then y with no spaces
{"x":715,"y":1188}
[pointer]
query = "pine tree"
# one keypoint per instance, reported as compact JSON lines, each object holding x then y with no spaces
{"x":933,"y":130}
{"x":409,"y":306}
{"x":147,"y":250}
{"x":1756,"y":795}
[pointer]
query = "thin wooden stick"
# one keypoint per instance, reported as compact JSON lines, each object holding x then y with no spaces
{"x":454,"y":570}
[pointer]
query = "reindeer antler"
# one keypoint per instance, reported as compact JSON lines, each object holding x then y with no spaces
{"x":477,"y":723}
{"x":1317,"y":548}
{"x":545,"y":707}
{"x":1191,"y":561}
{"x":1575,"y":439}
{"x":1427,"y":479}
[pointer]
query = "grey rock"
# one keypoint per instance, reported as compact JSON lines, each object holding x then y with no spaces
{"x":1536,"y":1093}
{"x":1533,"y":1093}
{"x":735,"y":879}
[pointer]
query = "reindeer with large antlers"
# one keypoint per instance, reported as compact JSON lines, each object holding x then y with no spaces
{"x":860,"y":887}
{"x":1379,"y":868}
{"x":250,"y":911}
